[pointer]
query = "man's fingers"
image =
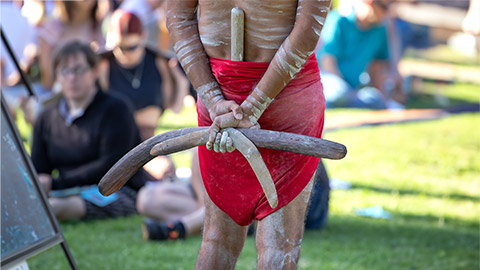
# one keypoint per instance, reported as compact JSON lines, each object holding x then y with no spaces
{"x":223,"y":142}
{"x":216,"y":145}
{"x":229,"y":144}
{"x":226,"y":120}
{"x":218,"y":141}
{"x":245,"y":123}
{"x":212,"y":135}
{"x":237,"y":111}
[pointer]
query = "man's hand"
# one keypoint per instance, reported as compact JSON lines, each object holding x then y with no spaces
{"x":46,"y":182}
{"x":222,"y":107}
{"x":220,"y":142}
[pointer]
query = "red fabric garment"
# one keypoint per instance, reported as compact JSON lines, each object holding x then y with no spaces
{"x":299,"y":108}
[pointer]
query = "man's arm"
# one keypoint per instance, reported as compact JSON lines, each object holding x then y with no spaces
{"x":328,"y":63}
{"x":378,"y":73}
{"x":183,"y":27}
{"x":290,"y":57}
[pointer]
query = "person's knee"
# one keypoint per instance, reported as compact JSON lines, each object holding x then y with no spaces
{"x":335,"y":89}
{"x":142,"y":200}
{"x":153,"y":196}
{"x":68,"y":208}
{"x":56,"y":205}
{"x":370,"y":97}
{"x":224,"y":235}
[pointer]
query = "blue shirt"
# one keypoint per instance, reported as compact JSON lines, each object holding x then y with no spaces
{"x":353,"y":48}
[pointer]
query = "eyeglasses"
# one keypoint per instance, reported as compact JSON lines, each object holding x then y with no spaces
{"x":129,"y":48}
{"x":77,"y":70}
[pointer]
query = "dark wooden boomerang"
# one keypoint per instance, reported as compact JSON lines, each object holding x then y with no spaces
{"x":182,"y":139}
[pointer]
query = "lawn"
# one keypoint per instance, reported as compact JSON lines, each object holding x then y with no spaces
{"x":424,"y":173}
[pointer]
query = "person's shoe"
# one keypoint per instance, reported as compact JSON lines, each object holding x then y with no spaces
{"x":160,"y":231}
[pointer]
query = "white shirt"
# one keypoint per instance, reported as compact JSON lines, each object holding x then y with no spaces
{"x":19,"y":34}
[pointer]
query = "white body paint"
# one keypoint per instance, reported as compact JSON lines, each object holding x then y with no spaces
{"x":219,"y":22}
{"x":270,"y":37}
{"x":210,"y":93}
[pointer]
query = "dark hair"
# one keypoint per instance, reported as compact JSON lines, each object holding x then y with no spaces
{"x":67,"y":8}
{"x":73,"y":48}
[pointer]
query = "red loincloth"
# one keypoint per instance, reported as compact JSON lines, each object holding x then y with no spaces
{"x":299,"y":108}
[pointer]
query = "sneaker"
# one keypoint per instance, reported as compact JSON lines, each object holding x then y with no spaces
{"x":159,"y":231}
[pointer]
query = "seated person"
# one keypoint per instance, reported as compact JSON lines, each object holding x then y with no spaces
{"x":150,"y":80}
{"x":72,"y":20}
{"x":147,"y":78}
{"x":77,"y":139}
{"x":174,"y":210}
{"x":354,"y":53}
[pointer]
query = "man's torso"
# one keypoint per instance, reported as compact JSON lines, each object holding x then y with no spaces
{"x":267,"y":24}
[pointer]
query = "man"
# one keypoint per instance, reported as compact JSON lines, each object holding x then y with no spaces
{"x":355,"y":54}
{"x":77,"y":140}
{"x":278,"y":88}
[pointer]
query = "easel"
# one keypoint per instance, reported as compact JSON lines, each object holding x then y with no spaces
{"x":23,"y":236}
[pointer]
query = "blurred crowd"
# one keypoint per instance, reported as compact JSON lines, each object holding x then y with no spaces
{"x":84,"y":60}
{"x":358,"y":55}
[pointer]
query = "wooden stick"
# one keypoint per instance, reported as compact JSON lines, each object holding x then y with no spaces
{"x":182,"y":139}
{"x":237,"y":26}
{"x":276,"y":140}
{"x":254,"y":158}
{"x":129,"y":164}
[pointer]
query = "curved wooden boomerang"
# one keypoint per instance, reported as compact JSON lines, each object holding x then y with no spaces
{"x":241,"y":143}
{"x":182,"y":139}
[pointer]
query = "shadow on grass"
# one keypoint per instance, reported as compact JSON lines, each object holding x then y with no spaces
{"x":431,"y":101}
{"x":348,"y":242}
{"x":363,"y":243}
{"x":438,"y":221}
{"x":454,"y":196}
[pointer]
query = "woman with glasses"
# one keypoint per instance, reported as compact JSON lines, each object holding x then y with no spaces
{"x":146,"y":77}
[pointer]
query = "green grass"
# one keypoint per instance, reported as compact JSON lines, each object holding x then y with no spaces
{"x":424,"y":173}
{"x":429,"y":94}
{"x":443,"y":54}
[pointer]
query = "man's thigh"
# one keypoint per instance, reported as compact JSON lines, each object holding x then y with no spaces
{"x":223,"y":239}
{"x":219,"y":223}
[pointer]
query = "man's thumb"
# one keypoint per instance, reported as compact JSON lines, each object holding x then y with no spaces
{"x":237,"y":112}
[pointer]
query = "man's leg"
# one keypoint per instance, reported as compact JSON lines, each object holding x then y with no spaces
{"x":68,"y":208}
{"x":166,"y":201}
{"x":223,"y":239}
{"x":279,"y":235}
